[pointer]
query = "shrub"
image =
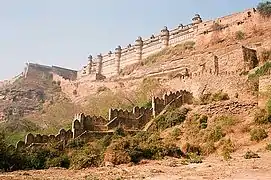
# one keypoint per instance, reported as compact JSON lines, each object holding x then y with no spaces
{"x":203,"y":121}
{"x":176,"y":132}
{"x":227,"y":149}
{"x":258,"y":134}
{"x":265,"y":55}
{"x":215,"y":134}
{"x":208,"y":148}
{"x":250,"y":154}
{"x":171,"y":118}
{"x":191,"y":148}
{"x":205,"y":98}
{"x":194,"y":158}
{"x":263,"y":70}
{"x":261,"y":117}
{"x":90,"y":156}
{"x":239,"y":35}
{"x":220,"y":96}
{"x":264,"y":8}
{"x":61,"y":161}
{"x":141,"y":146}
{"x":268,"y":147}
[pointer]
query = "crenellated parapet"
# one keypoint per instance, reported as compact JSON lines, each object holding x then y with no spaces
{"x":129,"y":120}
{"x":87,"y":127}
{"x":30,"y":139}
{"x":175,"y":99}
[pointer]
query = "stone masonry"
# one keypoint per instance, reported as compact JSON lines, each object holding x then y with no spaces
{"x":112,"y":63}
{"x":86,"y":127}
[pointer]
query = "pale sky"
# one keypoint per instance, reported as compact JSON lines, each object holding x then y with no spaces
{"x":65,"y":32}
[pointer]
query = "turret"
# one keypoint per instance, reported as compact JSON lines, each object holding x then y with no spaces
{"x":197,"y":19}
{"x":100,"y":63}
{"x":117,"y":59}
{"x":164,"y":35}
{"x":138,"y":48}
{"x":89,"y":66}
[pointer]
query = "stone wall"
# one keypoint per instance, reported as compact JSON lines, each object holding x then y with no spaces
{"x":134,"y":120}
{"x":37,"y":71}
{"x":177,"y":98}
{"x":88,"y":127}
{"x":110,"y":64}
{"x":31,"y":139}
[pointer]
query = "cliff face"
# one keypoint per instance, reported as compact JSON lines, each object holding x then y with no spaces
{"x":26,"y":96}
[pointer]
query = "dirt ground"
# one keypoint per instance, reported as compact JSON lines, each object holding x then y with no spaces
{"x":238,"y":168}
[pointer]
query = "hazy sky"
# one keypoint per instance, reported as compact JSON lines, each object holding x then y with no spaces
{"x":65,"y":32}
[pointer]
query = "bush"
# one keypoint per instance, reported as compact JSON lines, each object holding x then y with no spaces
{"x":265,"y":55}
{"x":203,"y":122}
{"x":61,"y":161}
{"x":239,"y":35}
{"x":90,"y":156}
{"x":215,"y":134}
{"x":176,"y":132}
{"x":208,"y":148}
{"x":171,"y":118}
{"x":264,"y":8}
{"x":194,"y":158}
{"x":268,"y":147}
{"x":220,"y":96}
{"x":191,"y":148}
{"x":141,"y":146}
{"x":250,"y":155}
{"x":263,"y":70}
{"x":227,"y":149}
{"x":261,"y":117}
{"x":258,"y":134}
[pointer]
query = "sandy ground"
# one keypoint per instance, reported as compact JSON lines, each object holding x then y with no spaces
{"x":237,"y":168}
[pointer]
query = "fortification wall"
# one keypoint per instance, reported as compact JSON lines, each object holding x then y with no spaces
{"x":31,"y":139}
{"x":134,"y":120}
{"x":198,"y":31}
{"x":87,"y":127}
{"x":37,"y":71}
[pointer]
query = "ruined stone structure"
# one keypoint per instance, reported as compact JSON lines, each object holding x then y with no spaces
{"x":86,"y":127}
{"x":112,"y":63}
{"x":42,"y":71}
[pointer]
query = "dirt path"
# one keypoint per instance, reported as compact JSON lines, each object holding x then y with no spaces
{"x":237,"y":168}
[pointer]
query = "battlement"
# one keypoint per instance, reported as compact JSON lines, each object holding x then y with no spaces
{"x":111,"y":63}
{"x":85,"y":126}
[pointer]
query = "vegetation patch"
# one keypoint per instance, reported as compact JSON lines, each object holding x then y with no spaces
{"x":264,"y":8}
{"x":258,"y":134}
{"x":240,"y":35}
{"x":250,"y":155}
{"x":215,"y":97}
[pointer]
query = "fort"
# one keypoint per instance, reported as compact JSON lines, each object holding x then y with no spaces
{"x":200,"y":71}
{"x":112,"y":63}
